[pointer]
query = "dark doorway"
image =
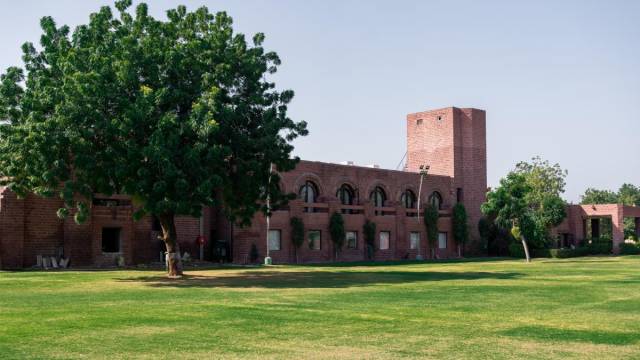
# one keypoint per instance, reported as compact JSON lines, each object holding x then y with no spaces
{"x":110,"y":240}
{"x":221,"y":249}
{"x":595,"y":228}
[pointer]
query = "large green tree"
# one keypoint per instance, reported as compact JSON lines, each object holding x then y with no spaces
{"x":176,"y":113}
{"x":528,"y":202}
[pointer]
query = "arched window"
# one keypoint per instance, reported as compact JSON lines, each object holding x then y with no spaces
{"x":378,"y":197}
{"x":436,"y":200}
{"x":346,"y":195}
{"x":308,"y":192}
{"x":408,"y":199}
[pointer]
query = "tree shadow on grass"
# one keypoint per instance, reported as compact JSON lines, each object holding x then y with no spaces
{"x":544,"y":333}
{"x":402,"y":262}
{"x":313,"y":279}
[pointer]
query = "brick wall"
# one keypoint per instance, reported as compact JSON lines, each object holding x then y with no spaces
{"x":11,"y":230}
{"x":44,"y":234}
{"x":452,"y":142}
{"x":328,"y":178}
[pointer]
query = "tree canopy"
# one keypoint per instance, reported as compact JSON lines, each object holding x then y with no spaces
{"x":595,"y":196}
{"x":176,"y":113}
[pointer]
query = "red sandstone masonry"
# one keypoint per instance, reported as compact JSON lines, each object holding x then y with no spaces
{"x":329,"y":177}
{"x":452,"y":142}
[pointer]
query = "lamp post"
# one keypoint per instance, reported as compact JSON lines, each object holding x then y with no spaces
{"x":267,"y":259}
{"x":423,"y":171}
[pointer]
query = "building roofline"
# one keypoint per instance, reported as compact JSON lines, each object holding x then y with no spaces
{"x":369,"y":168}
{"x":447,"y":108}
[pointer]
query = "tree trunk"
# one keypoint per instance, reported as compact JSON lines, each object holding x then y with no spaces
{"x":526,"y":249}
{"x":170,"y":238}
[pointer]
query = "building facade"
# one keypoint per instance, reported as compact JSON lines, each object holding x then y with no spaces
{"x":593,"y":221}
{"x":451,"y":142}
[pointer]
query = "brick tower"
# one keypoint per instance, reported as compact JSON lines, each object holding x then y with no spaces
{"x":452,"y":142}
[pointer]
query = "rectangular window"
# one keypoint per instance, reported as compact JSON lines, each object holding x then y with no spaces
{"x":459,"y":195}
{"x":314,"y":239}
{"x":442,"y":240}
{"x":110,"y":240}
{"x":352,"y":239}
{"x":414,"y":240}
{"x":384,"y":240}
{"x":274,"y":240}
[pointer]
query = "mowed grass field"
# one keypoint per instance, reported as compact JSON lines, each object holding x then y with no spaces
{"x":483,"y":309}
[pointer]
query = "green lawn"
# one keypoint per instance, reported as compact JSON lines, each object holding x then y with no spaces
{"x":493,"y":309}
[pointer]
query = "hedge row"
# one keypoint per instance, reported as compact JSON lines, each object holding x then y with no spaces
{"x":629,"y":249}
{"x":605,"y":248}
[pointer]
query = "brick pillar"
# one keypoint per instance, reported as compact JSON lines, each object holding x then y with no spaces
{"x":401,"y":247}
{"x":618,"y":229}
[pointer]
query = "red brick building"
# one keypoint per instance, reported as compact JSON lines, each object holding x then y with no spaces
{"x":584,"y":222}
{"x":451,"y":141}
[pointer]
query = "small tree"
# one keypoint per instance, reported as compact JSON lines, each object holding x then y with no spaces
{"x":460,"y":226}
{"x":528,"y":202}
{"x":431,"y":216}
{"x":336,"y":229}
{"x":369,"y":231}
{"x":297,"y":234}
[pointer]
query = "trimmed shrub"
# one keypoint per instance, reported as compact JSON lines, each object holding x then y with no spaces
{"x":569,"y":253}
{"x":369,"y":231}
{"x":297,"y":234}
{"x":600,"y":248}
{"x":629,"y":249}
{"x":336,"y":230}
{"x":431,"y":216}
{"x":541,"y":253}
{"x":516,"y":250}
{"x":459,"y":225}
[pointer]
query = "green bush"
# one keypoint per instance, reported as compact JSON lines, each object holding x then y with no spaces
{"x":541,"y":253}
{"x":600,"y":248}
{"x":569,"y":253}
{"x":629,"y":249}
{"x":516,"y":250}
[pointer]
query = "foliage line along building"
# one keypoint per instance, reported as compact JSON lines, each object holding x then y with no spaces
{"x":451,"y":141}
